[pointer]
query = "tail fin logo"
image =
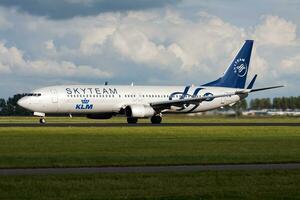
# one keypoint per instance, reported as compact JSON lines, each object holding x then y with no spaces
{"x":240,"y":67}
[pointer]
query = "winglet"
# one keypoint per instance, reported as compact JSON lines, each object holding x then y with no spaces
{"x":252,"y":82}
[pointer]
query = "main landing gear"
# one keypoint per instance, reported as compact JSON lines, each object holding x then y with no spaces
{"x":156,"y":119}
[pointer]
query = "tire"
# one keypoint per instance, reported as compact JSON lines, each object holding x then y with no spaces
{"x":42,"y":121}
{"x":132,"y":120}
{"x":156,"y":119}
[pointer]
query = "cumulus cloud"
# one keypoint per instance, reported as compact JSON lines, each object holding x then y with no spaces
{"x":152,"y":46}
{"x":275,"y":31}
{"x":12,"y":61}
{"x":95,"y":38}
{"x":49,"y":45}
{"x":291,"y":65}
{"x":164,"y":40}
{"x":63,"y":68}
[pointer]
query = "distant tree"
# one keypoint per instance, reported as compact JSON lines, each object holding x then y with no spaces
{"x":283,"y":103}
{"x":11,"y":107}
{"x":255,"y":104}
{"x":265,"y":103}
{"x":297,"y":102}
{"x":244,"y":104}
{"x":2,"y":106}
{"x":276,"y":103}
{"x":239,"y":107}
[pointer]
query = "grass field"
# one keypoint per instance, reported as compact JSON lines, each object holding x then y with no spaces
{"x":166,"y":119}
{"x":279,"y":184}
{"x":58,"y":147}
{"x":70,"y":146}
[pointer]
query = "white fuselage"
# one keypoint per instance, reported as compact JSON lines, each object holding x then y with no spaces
{"x":112,"y":98}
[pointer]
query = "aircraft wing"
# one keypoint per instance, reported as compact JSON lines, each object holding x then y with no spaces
{"x":160,"y":105}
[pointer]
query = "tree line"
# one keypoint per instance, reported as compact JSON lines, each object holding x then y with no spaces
{"x":9,"y":107}
{"x":280,"y":103}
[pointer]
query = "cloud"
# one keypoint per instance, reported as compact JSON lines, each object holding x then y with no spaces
{"x":62,"y":9}
{"x":5,"y":23}
{"x":49,"y":45}
{"x":63,"y":69}
{"x":12,"y":61}
{"x":95,"y":38}
{"x":154,"y":46}
{"x":275,"y":31}
{"x":291,"y":65}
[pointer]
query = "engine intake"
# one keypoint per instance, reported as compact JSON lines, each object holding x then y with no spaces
{"x":139,"y":110}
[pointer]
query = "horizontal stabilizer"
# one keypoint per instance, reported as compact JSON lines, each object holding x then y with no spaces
{"x":266,"y":88}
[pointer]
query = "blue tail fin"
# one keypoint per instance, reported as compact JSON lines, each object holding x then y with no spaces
{"x":236,"y":74}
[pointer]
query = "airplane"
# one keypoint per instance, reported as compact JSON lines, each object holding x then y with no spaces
{"x":135,"y":102}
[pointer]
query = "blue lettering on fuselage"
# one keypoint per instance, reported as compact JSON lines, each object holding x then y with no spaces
{"x":91,"y":91}
{"x":85,"y":105}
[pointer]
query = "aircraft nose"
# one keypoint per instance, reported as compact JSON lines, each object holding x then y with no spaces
{"x":22,"y":102}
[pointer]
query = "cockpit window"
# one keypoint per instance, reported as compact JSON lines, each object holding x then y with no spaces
{"x":33,"y":94}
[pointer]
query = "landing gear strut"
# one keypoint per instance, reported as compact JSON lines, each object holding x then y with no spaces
{"x":132,"y":120}
{"x":42,"y":120}
{"x":156,"y":119}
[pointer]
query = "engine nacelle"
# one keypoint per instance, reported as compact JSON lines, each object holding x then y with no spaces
{"x":100,"y":116}
{"x":139,"y":110}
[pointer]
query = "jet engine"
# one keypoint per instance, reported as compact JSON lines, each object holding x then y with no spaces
{"x":139,"y":111}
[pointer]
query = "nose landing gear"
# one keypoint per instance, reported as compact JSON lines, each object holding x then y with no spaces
{"x":42,"y":117}
{"x":42,"y":120}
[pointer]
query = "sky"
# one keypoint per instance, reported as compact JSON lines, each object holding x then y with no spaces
{"x":157,"y":42}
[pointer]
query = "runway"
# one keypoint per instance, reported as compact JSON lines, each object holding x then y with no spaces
{"x":150,"y":169}
{"x":140,"y":124}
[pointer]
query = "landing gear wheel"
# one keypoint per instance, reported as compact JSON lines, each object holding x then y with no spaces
{"x":132,"y":120}
{"x":156,"y":119}
{"x":42,"y":121}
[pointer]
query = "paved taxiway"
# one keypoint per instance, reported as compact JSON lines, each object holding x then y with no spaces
{"x":140,"y":124}
{"x":150,"y":169}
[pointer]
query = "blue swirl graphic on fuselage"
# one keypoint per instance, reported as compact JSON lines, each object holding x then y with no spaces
{"x":207,"y":95}
{"x":185,"y":94}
